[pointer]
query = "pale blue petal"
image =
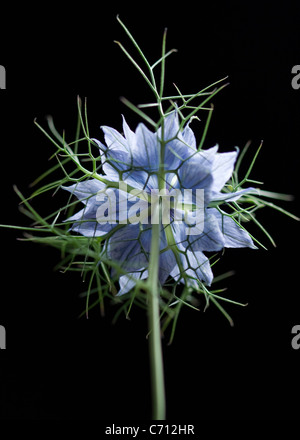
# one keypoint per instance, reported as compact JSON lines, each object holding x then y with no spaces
{"x":172,"y":181}
{"x":176,"y":151}
{"x":91,"y":228}
{"x":102,"y":148}
{"x":210,"y":239}
{"x":117,"y":155}
{"x":109,"y":207}
{"x":129,"y":135}
{"x":196,"y":267}
{"x":111,"y":173}
{"x":143,"y":147}
{"x":114,"y":140}
{"x":232,"y":196}
{"x":171,"y":127}
{"x":89,"y":223}
{"x":199,"y":267}
{"x":189,"y":137}
{"x":177,"y":148}
{"x":117,"y":160}
{"x":136,"y":179}
{"x":130,"y":247}
{"x":130,"y":158}
{"x":196,"y":172}
{"x":140,"y":180}
{"x":175,"y":273}
{"x":127,"y":282}
{"x":94,"y":221}
{"x":234,"y":235}
{"x":146,"y":149}
{"x":222,"y":169}
{"x":85,"y":190}
{"x":137,"y":151}
{"x":85,"y":220}
{"x":78,"y":216}
{"x":114,"y":160}
{"x":167,"y":262}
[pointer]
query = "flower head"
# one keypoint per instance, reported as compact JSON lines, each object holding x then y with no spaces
{"x":148,"y":166}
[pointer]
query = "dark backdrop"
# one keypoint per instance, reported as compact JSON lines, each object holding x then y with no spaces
{"x":57,"y":366}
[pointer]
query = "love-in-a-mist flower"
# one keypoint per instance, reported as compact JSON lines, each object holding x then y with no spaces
{"x":144,"y":163}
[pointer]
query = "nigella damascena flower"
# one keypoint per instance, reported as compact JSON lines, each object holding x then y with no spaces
{"x":133,"y":160}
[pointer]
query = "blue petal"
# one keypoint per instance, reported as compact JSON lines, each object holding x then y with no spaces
{"x":196,"y":267}
{"x":91,"y":228}
{"x":114,"y":140}
{"x":129,"y":135}
{"x":143,"y":147}
{"x":117,"y":156}
{"x":127,"y":282}
{"x":171,"y":127}
{"x":234,"y":235}
{"x":189,"y":137}
{"x":210,"y":239}
{"x":177,"y":148}
{"x":86,"y":191}
{"x":130,"y":247}
{"x":102,"y":148}
{"x":199,"y":265}
{"x":111,"y":173}
{"x":232,"y":196}
{"x":167,"y":261}
{"x":196,"y":172}
{"x":85,"y":221}
{"x":146,"y":149}
{"x":117,"y":162}
{"x":222,"y":169}
{"x":176,"y":151}
{"x":136,"y":179}
{"x":113,"y":162}
{"x":140,"y":180}
{"x":130,"y":158}
{"x":91,"y":221}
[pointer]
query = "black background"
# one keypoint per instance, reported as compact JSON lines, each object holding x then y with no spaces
{"x":57,"y":366}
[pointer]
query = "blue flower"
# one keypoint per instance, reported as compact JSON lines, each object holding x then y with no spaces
{"x":134,"y":160}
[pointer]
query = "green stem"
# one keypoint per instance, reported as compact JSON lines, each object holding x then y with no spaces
{"x":155,"y":348}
